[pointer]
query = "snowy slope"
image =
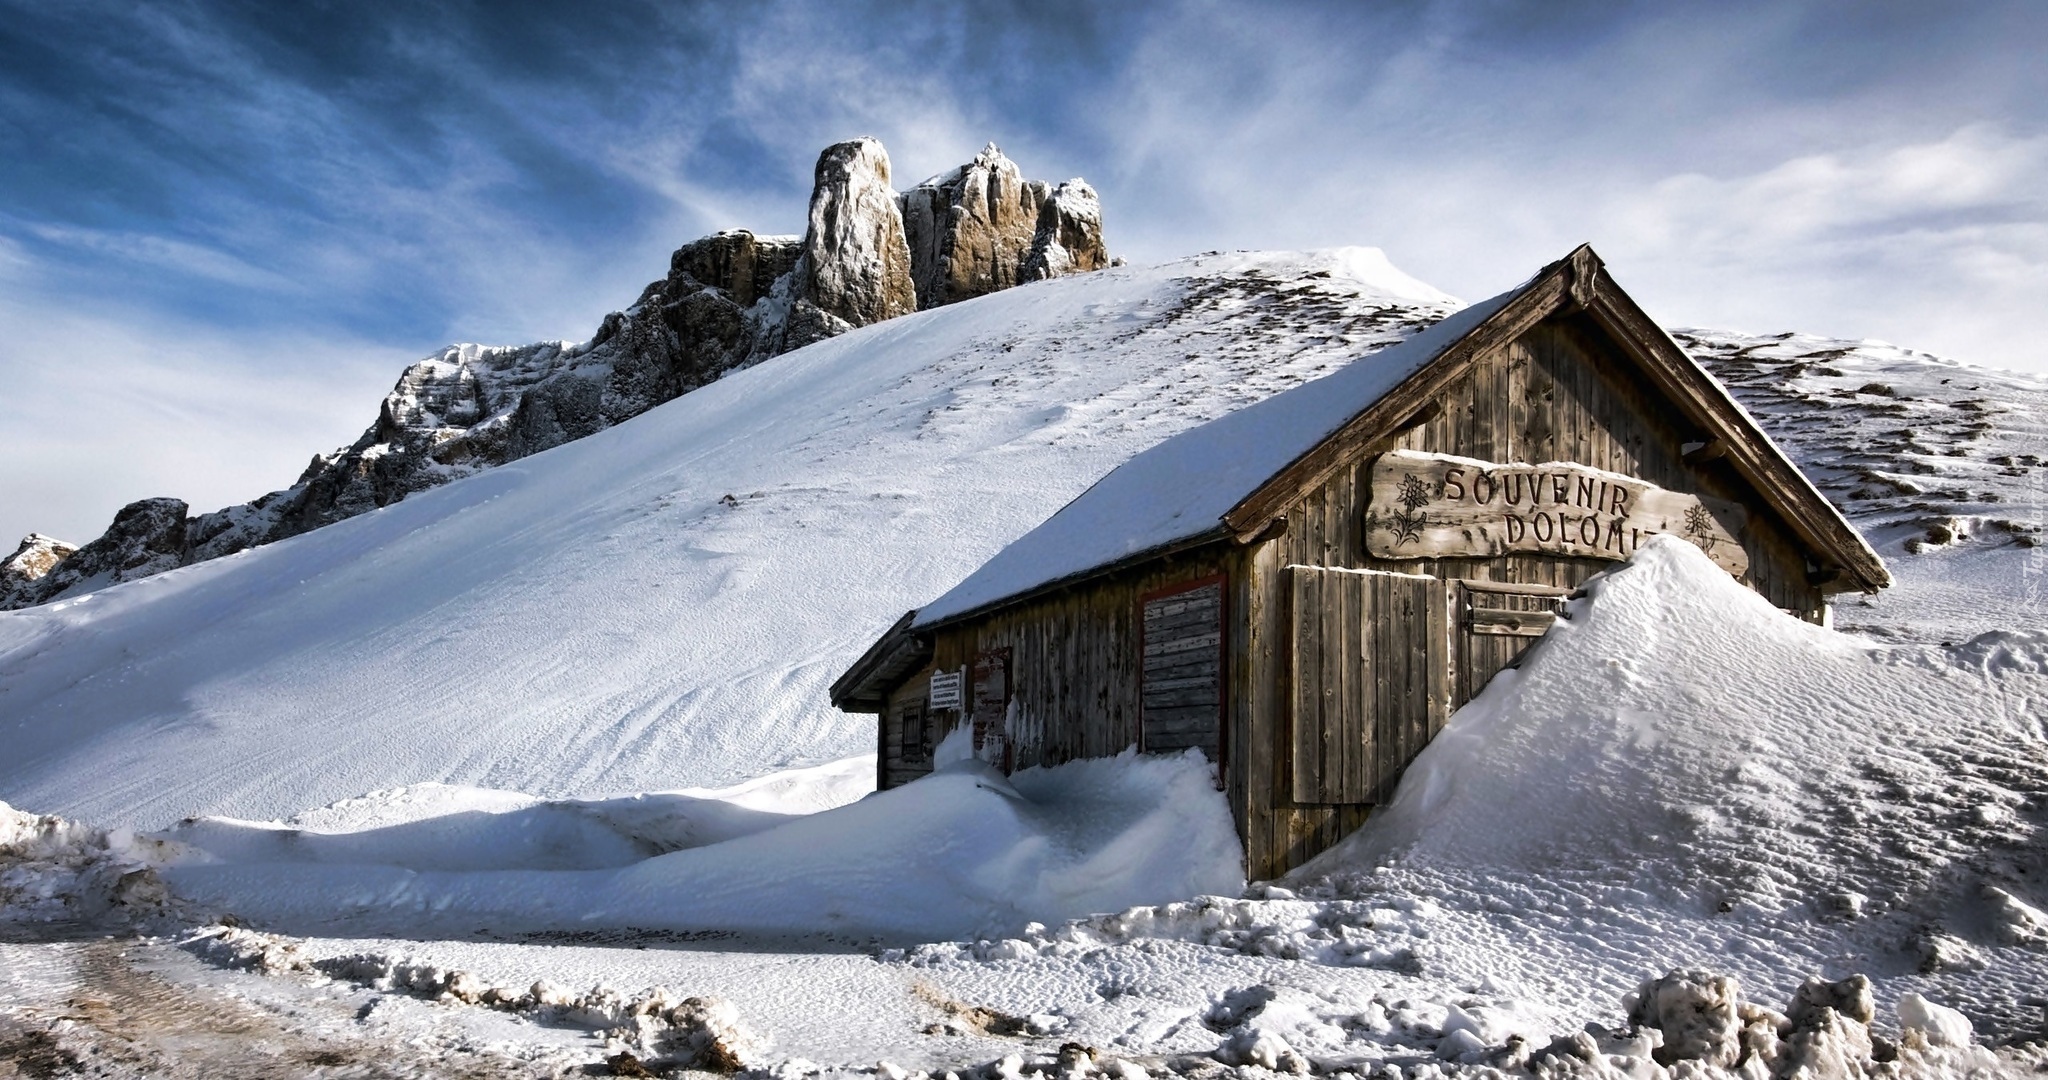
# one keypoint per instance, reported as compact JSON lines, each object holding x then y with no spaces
{"x":662,"y":604}
{"x":1602,"y":815}
{"x":1943,"y":466}
{"x":1679,"y":776}
{"x":1852,"y":807}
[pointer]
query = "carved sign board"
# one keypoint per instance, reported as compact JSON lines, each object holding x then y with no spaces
{"x":1427,"y":506}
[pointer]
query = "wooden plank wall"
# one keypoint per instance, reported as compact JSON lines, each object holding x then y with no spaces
{"x":900,"y":762}
{"x":1074,"y":659}
{"x":1559,"y":393}
{"x":1562,"y":393}
{"x":1180,"y":681}
{"x":1504,"y":622}
{"x":1365,"y":688}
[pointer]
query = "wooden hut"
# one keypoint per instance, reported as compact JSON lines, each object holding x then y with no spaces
{"x":1305,"y":589}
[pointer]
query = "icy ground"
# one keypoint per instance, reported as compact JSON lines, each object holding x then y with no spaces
{"x":1679,"y":777}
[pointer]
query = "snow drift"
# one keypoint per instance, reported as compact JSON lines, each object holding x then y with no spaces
{"x":964,"y":851}
{"x":1681,"y":776}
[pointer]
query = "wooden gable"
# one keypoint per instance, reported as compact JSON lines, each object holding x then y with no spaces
{"x":1579,"y":310}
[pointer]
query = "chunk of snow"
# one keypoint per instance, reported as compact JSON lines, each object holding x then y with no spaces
{"x":1935,"y":1025}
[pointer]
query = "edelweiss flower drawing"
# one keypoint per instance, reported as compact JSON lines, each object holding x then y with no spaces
{"x":1699,"y":525}
{"x":1407,"y":525}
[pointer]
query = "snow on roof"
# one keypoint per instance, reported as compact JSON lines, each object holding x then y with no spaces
{"x":1178,"y":490}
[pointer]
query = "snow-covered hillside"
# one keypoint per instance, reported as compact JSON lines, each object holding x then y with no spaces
{"x":1679,"y":775}
{"x":1943,"y":466}
{"x":661,"y":604}
{"x":1857,"y":833}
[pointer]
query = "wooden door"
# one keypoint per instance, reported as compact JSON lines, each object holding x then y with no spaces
{"x":1497,"y":621}
{"x":1370,"y":679}
{"x":1180,"y":678}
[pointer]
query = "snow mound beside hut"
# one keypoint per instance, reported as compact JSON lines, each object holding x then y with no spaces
{"x":1680,"y":775}
{"x":962,"y":852}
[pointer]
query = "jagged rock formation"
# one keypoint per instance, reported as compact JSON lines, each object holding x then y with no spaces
{"x":148,"y":536}
{"x":729,"y":300}
{"x":37,"y":556}
{"x":1068,"y":239}
{"x":855,"y":267}
{"x":974,"y":227}
{"x":983,"y":227}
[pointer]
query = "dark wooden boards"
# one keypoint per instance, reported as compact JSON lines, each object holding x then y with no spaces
{"x":989,"y":702}
{"x":1364,"y":689}
{"x":1180,"y":689}
{"x":1496,"y":624}
{"x":909,"y":729}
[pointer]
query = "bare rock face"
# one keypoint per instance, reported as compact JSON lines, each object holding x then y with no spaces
{"x":21,"y":572}
{"x":855,"y":266}
{"x":147,"y":537}
{"x":971,"y":229}
{"x":1068,"y":239}
{"x":729,"y":300}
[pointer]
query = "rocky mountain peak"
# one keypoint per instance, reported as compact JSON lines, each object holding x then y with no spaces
{"x":1068,"y":236}
{"x":729,"y":300}
{"x":148,"y":536}
{"x":856,"y":263}
{"x":35,"y":557}
{"x":971,"y":228}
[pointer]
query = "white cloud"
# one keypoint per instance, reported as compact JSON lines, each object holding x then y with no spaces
{"x":164,"y":253}
{"x":103,"y":408}
{"x":1718,"y":199}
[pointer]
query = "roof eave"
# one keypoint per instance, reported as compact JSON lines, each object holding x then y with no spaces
{"x":1580,"y":282}
{"x":1786,"y":487}
{"x":1215,"y":534}
{"x":881,"y":667}
{"x":1544,"y":293}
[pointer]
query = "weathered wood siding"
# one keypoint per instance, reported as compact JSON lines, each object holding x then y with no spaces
{"x":1560,"y":392}
{"x":1076,"y":663}
{"x":909,"y":730}
{"x":1369,"y":679}
{"x":1181,"y":675}
{"x":1492,"y":624}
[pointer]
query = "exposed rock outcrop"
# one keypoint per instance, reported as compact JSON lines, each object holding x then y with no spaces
{"x":148,"y":536}
{"x":729,"y":300}
{"x":855,"y":268}
{"x":972,"y":228}
{"x":1068,"y":239}
{"x":21,"y":571}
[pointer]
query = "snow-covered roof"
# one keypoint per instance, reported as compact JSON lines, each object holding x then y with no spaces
{"x":1178,"y":491}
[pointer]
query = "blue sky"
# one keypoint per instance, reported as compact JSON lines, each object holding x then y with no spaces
{"x":227,"y":226}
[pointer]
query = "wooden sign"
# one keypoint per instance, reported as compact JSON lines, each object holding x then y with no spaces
{"x":1427,"y":506}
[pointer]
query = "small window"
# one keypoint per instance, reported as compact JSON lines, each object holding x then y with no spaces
{"x":915,"y":720}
